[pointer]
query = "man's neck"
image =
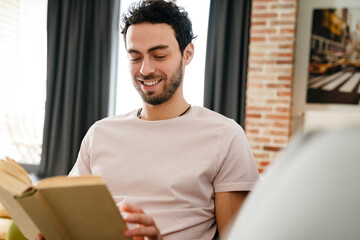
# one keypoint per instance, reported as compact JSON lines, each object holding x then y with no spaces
{"x":167,"y":110}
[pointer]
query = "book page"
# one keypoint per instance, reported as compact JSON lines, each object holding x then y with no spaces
{"x":12,"y":184}
{"x":18,"y":170}
{"x":13,"y":170}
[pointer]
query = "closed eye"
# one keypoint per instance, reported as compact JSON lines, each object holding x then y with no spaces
{"x":134,"y":59}
{"x":160,"y":57}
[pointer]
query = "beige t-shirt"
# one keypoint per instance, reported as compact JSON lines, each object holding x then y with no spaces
{"x":170,"y":168}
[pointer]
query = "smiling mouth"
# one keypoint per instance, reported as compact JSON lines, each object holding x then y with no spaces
{"x":150,"y":83}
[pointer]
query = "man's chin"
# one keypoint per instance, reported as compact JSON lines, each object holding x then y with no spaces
{"x":154,"y":100}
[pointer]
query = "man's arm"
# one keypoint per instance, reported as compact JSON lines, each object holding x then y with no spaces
{"x":227,"y":205}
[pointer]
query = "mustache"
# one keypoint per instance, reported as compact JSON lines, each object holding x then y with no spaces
{"x":141,"y":77}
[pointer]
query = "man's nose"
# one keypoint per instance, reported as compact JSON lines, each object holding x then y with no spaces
{"x":147,"y":67}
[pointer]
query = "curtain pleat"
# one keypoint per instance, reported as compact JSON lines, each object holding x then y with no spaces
{"x":82,"y":62}
{"x":226,"y":57}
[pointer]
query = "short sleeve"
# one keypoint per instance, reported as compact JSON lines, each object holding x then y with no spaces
{"x":236,"y":168}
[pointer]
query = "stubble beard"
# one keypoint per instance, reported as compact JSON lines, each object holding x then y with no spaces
{"x":168,"y":90}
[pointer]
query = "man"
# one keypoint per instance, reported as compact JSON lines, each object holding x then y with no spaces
{"x":183,"y":171}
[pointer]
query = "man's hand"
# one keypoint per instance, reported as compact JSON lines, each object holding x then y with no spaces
{"x":146,"y":228}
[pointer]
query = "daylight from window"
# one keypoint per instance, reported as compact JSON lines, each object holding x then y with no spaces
{"x":127,"y":97}
{"x":22,"y":78}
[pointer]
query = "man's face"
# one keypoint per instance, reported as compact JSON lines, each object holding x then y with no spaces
{"x":156,"y":64}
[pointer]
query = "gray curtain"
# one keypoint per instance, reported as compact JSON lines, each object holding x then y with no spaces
{"x":226,"y":57}
{"x":81,"y":74}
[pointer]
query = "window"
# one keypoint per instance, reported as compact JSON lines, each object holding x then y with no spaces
{"x":22,"y":78}
{"x":127,"y":97}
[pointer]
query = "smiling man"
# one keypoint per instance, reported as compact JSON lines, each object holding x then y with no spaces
{"x":157,"y":67}
{"x":183,"y":171}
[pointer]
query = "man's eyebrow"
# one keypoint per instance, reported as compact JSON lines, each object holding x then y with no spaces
{"x":132,"y":51}
{"x":160,"y":47}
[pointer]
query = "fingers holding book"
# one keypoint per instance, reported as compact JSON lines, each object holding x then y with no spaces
{"x":145,"y":227}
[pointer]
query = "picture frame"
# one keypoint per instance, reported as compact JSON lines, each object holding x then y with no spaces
{"x":304,"y":53}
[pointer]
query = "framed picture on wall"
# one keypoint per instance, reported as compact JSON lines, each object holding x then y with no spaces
{"x":326,"y":70}
{"x":334,"y":56}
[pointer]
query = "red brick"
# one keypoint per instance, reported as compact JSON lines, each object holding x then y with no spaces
{"x":282,"y":23}
{"x":252,"y":115}
{"x":258,"y":108}
{"x":257,"y":39}
{"x":254,"y":85}
{"x":272,"y":148}
{"x":281,"y":141}
{"x":285,"y":78}
{"x":276,"y":116}
{"x":283,"y":6}
{"x":278,"y":85}
{"x":286,"y":46}
{"x":287,"y":30}
{"x":276,"y":133}
{"x":258,"y":7}
{"x":277,"y":101}
{"x":264,"y":163}
{"x":264,"y":15}
{"x":259,"y":139}
{"x":284,"y":62}
{"x":249,"y":122}
{"x":264,"y":30}
{"x":282,"y":54}
{"x":261,"y":155}
{"x":281,"y":125}
{"x":282,"y":94}
{"x":283,"y":109}
{"x":253,"y":131}
{"x":262,"y":62}
{"x":279,"y":70}
{"x":257,"y":1}
{"x":258,"y":23}
{"x":256,"y":54}
{"x":255,"y":69}
{"x":261,"y":77}
{"x":288,"y":15}
{"x":281,"y":39}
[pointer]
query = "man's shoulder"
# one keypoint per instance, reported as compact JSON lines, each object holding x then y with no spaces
{"x":203,"y":112}
{"x":116,"y":119}
{"x":212,"y":116}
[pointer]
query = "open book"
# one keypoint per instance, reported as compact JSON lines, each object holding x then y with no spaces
{"x":59,"y":207}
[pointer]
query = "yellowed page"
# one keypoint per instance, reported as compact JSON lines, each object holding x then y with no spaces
{"x":13,"y":185}
{"x":20,"y":171}
{"x":8,"y":168}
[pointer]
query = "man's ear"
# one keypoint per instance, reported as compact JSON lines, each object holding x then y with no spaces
{"x":188,"y":53}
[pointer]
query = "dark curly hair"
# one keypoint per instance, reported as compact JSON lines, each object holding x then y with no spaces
{"x":160,"y":11}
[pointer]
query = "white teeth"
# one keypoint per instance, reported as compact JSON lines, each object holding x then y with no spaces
{"x":150,"y":83}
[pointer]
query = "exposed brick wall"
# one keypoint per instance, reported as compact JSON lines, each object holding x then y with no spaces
{"x":270,"y":76}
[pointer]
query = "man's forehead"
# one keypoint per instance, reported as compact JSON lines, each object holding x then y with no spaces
{"x":149,"y":35}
